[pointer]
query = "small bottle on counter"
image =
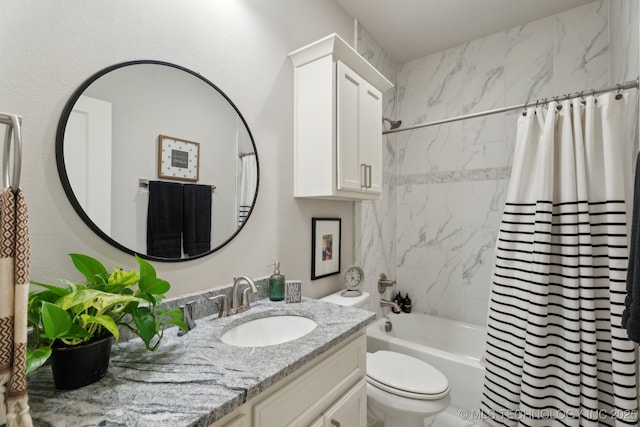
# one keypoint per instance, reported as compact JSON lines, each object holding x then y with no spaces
{"x":276,"y":284}
{"x":406,"y":304}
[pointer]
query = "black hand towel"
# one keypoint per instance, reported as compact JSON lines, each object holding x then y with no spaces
{"x":631,"y":314}
{"x":164,"y":220}
{"x":197,"y":219}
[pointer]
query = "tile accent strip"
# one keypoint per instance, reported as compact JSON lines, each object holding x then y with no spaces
{"x":489,"y":174}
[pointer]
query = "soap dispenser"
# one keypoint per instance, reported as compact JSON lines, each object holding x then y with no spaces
{"x":276,"y":284}
{"x":398,"y":299}
{"x":406,"y":304}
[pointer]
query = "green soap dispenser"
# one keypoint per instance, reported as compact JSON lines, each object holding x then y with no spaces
{"x":276,"y":284}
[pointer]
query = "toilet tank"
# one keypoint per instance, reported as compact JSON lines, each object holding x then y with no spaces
{"x":359,"y":301}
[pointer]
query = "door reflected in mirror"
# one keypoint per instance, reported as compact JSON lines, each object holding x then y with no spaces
{"x":136,"y":145}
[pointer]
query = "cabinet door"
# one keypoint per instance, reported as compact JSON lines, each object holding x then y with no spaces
{"x":349,"y":169}
{"x":359,"y":133}
{"x":350,"y":410}
{"x":238,"y":419}
{"x":317,"y":423}
{"x":370,"y":137}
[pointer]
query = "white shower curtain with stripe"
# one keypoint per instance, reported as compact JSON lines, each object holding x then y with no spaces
{"x":248,"y":181}
{"x":556,"y":352}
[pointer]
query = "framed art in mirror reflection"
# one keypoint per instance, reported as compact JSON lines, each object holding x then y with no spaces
{"x":178,"y":159}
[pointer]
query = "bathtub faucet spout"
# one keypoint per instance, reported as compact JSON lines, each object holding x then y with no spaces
{"x":394,"y":305}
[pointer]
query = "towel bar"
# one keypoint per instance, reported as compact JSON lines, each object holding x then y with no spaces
{"x":12,"y":123}
{"x":144,"y":183}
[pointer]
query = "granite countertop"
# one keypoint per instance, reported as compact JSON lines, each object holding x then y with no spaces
{"x":192,"y":380}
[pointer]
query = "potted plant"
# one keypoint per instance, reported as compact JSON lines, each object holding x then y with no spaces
{"x":74,"y":325}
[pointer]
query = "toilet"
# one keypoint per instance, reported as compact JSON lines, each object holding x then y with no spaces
{"x":401,"y":390}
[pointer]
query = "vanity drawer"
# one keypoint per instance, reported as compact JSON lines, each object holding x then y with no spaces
{"x":304,"y":398}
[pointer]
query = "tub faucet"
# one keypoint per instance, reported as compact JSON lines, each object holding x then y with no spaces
{"x":394,"y":305}
{"x":237,"y":307}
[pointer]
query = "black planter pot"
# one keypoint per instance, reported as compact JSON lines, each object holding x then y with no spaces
{"x":80,"y":365}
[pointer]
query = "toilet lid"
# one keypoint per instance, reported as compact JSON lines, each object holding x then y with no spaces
{"x":348,"y":301}
{"x":405,"y":376}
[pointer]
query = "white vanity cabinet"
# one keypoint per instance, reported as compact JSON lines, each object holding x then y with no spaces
{"x":337,"y":122}
{"x":330,"y":391}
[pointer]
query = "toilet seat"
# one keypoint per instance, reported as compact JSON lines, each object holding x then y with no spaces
{"x":405,"y":376}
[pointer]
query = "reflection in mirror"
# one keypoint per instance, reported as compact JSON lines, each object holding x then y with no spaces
{"x":108,"y":150}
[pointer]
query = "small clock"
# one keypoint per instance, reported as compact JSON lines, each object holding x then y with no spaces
{"x":352,"y":278}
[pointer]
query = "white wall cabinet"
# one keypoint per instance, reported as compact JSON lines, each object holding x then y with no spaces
{"x":337,"y":122}
{"x":330,"y":391}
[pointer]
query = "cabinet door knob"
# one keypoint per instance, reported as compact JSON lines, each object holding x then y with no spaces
{"x":368,"y":169}
{"x":335,"y":423}
{"x":363,"y":177}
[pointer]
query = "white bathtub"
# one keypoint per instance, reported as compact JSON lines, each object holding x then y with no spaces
{"x":454,"y":348}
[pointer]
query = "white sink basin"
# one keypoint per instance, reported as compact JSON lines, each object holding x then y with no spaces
{"x":268,"y":331}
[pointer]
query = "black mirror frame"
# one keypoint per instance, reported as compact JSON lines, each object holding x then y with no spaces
{"x":62,"y":170}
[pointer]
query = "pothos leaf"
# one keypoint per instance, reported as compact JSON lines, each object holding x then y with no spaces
{"x":91,"y":268}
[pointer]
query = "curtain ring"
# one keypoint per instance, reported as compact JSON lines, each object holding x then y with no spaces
{"x":524,"y":113}
{"x":618,"y":94}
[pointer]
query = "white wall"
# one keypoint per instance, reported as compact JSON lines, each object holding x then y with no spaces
{"x":49,"y":47}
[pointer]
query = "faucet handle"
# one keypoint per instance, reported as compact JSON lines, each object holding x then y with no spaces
{"x":187,"y":317}
{"x":244,"y":304}
{"x":224,"y":307}
{"x":384,"y":283}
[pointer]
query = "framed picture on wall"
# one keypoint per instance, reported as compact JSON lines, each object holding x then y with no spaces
{"x":178,"y":159}
{"x":325,"y":247}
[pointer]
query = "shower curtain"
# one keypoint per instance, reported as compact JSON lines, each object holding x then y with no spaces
{"x":248,"y":181}
{"x":556,"y":352}
{"x":14,"y":293}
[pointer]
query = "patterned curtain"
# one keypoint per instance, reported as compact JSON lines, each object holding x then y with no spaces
{"x":557,"y":354}
{"x":14,"y":293}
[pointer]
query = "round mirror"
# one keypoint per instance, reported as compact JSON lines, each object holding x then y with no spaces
{"x":157,"y":160}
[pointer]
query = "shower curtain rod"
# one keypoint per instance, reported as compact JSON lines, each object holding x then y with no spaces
{"x":631,"y":84}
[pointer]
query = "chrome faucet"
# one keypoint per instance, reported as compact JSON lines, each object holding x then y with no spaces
{"x":394,"y":305}
{"x":187,"y":317}
{"x":237,"y":307}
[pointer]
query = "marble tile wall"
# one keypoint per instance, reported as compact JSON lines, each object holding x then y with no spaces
{"x":445,"y":185}
{"x":375,"y":229}
{"x":624,"y":60}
